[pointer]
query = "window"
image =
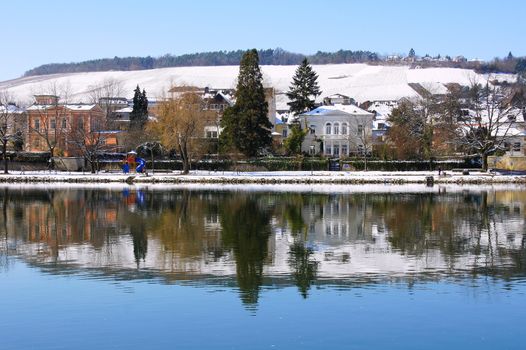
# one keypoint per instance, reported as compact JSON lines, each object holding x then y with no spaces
{"x":81,"y":124}
{"x":328,"y":150}
{"x":516,"y":146}
{"x":336,"y":128}
{"x":96,"y":124}
{"x":345,"y":150}
{"x":328,"y":128}
{"x":53,"y":124}
{"x":36,"y":124}
{"x":312,"y":129}
{"x":336,"y":151}
{"x":344,"y":129}
{"x":64,"y":123}
{"x":284,"y":133}
{"x":360,"y":129}
{"x":211,"y":134}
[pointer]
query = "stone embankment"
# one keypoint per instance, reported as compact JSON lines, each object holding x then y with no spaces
{"x":317,"y":177}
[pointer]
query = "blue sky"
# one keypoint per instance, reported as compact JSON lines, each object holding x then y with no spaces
{"x":38,"y":32}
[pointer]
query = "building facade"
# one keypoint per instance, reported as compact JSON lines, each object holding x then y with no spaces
{"x":337,"y":131}
{"x":54,"y":124}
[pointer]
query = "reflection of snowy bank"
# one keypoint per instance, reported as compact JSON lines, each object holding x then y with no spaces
{"x":294,"y":188}
{"x":338,"y":260}
{"x":279,"y":177}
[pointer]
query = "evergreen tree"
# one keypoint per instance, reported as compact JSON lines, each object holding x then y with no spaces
{"x":520,"y":68}
{"x":246,"y":125}
{"x":139,"y":113}
{"x":510,"y":56}
{"x":144,"y":103}
{"x":412,"y":53}
{"x":304,"y":87}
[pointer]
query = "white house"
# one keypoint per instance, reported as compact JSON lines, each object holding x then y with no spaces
{"x":338,"y":130}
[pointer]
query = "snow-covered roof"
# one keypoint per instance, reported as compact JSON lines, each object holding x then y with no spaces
{"x":72,"y":107}
{"x":124,"y":110}
{"x":382,"y":109}
{"x":331,"y":110}
{"x":228,"y":98}
{"x":11,"y":109}
{"x":510,"y":132}
{"x":337,"y":96}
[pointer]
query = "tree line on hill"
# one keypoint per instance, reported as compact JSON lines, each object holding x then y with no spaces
{"x":509,"y":64}
{"x":215,"y":58}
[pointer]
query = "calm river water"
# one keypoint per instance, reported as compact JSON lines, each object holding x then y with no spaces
{"x":275,"y":267}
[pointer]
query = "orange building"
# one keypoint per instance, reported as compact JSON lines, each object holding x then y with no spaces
{"x":61,"y":125}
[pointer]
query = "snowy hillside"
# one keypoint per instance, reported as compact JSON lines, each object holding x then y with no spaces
{"x":359,"y":81}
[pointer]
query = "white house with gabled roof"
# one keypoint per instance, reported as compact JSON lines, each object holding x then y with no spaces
{"x":337,"y":131}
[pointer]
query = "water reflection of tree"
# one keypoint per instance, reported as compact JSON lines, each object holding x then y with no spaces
{"x":457,"y":225}
{"x":4,"y":250}
{"x":140,"y":241}
{"x":197,"y":227}
{"x":187,"y":229}
{"x":246,"y":230}
{"x":304,"y":267}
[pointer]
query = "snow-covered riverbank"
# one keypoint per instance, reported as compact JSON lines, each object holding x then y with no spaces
{"x":281,"y":177}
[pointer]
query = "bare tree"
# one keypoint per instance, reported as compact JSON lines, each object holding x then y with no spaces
{"x":180,"y":125}
{"x":12,"y":121}
{"x":360,"y":136}
{"x":108,"y":95}
{"x":487,"y":121}
{"x":413,"y":127}
{"x":6,"y":116}
{"x":48,"y":118}
{"x":91,"y":140}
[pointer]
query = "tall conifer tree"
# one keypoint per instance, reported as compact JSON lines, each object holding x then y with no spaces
{"x":139,"y":113}
{"x":304,"y":89}
{"x":246,"y":125}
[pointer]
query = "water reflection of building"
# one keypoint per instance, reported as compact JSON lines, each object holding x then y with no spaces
{"x":198,"y":235}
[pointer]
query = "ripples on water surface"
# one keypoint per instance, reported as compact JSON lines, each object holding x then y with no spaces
{"x":290,"y":267}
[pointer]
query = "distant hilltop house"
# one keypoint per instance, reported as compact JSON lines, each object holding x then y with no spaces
{"x":460,"y":59}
